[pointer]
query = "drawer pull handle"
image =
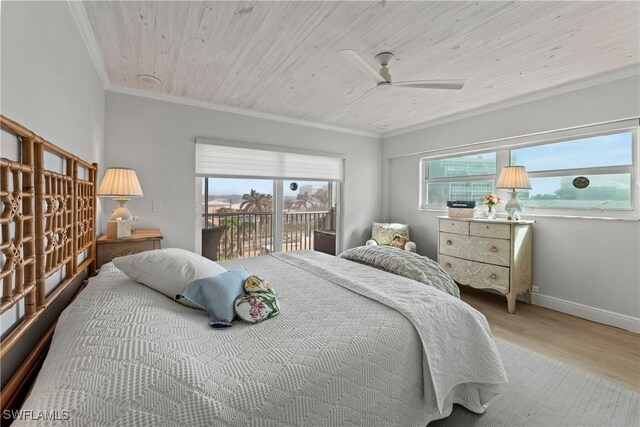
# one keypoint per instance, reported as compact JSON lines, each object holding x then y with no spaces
{"x":493,"y":276}
{"x":449,"y":242}
{"x":448,"y":265}
{"x":493,"y":249}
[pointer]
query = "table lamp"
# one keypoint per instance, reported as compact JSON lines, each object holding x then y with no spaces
{"x":513,"y":178}
{"x":121,"y":184}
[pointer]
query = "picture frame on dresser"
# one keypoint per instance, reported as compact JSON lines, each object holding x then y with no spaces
{"x":488,"y":254}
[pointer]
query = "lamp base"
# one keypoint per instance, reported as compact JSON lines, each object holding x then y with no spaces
{"x":121,"y":211}
{"x":513,"y":207}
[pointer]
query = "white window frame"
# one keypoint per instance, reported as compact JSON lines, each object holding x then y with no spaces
{"x":503,"y":157}
{"x":424,"y":173}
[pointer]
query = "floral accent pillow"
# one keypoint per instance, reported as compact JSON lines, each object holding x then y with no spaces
{"x":259,"y":303}
{"x":384,"y":233}
{"x":399,"y":241}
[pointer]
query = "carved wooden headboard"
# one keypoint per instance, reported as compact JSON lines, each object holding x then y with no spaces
{"x":48,"y":233}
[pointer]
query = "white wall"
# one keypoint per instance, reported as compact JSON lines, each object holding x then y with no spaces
{"x":157,"y":139}
{"x":577,"y":262}
{"x":48,"y":81}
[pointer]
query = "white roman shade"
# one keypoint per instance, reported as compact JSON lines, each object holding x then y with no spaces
{"x":239,"y":162}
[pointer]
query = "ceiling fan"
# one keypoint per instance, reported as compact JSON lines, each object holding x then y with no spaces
{"x":383,"y":80}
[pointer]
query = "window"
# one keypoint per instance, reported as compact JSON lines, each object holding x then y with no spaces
{"x":606,"y":155}
{"x":266,"y":199}
{"x":460,"y":178}
{"x":605,"y":160}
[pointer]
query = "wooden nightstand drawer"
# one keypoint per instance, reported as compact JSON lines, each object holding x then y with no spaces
{"x":113,"y":250}
{"x":140,"y":241}
{"x":456,"y":227}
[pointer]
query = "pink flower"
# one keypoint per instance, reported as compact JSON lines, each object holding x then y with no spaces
{"x":491,"y":200}
{"x":257,"y":309}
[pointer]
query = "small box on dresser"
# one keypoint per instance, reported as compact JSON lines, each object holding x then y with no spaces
{"x":488,"y":254}
{"x":142,"y":240}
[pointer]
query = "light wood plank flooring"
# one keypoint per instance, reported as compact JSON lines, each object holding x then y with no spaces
{"x":598,"y":349}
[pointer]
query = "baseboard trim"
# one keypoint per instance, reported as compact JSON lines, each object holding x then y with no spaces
{"x":599,"y":315}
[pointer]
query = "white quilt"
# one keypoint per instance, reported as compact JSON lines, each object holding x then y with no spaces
{"x":124,"y":354}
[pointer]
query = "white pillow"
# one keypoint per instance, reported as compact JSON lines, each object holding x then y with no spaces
{"x":167,"y":271}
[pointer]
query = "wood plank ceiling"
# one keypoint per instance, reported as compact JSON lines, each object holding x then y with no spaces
{"x":282,"y":57}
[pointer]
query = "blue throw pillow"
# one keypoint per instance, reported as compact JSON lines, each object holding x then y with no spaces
{"x":216,"y":295}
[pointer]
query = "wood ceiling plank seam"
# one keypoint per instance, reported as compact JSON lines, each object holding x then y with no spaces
{"x":250,"y":53}
{"x":268,"y":60}
{"x":194,"y":48}
{"x":110,"y":47}
{"x":300,"y":106}
{"x":162,"y":44}
{"x":188,"y":44}
{"x":235,"y":36}
{"x":200,"y":66}
{"x":224,"y":13}
{"x":296,"y":38}
{"x":441,"y":45}
{"x":147,"y":15}
{"x":129,"y":22}
{"x":174,"y":37}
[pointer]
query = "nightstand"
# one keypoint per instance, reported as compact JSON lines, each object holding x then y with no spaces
{"x":325,"y":241}
{"x":109,"y":248}
{"x":488,"y":254}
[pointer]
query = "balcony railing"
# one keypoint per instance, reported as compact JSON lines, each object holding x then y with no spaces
{"x":250,"y":234}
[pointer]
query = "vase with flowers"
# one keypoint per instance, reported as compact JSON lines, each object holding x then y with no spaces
{"x":491,"y":200}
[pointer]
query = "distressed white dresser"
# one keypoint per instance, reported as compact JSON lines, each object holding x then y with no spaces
{"x":488,"y":254}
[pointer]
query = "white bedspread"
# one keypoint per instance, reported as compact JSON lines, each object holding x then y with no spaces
{"x":124,"y":354}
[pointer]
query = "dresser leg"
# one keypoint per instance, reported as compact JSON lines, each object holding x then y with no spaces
{"x":529,"y":297}
{"x":511,"y":302}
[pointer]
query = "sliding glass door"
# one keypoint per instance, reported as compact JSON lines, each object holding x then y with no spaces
{"x":309,"y":216}
{"x":250,"y":217}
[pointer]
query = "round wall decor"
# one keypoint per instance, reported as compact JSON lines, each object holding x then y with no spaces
{"x":581,"y":182}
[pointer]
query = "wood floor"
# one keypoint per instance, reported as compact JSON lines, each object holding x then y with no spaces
{"x":602,"y":350}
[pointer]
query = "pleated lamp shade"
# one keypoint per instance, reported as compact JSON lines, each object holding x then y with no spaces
{"x":120,"y":182}
{"x":513,"y":177}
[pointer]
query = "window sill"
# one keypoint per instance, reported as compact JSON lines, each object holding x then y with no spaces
{"x":538,"y":215}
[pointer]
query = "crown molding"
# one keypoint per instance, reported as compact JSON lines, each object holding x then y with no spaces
{"x":82,"y":21}
{"x":240,"y":111}
{"x":623,"y":73}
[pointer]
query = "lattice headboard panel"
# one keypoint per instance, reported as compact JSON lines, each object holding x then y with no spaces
{"x":47,"y":224}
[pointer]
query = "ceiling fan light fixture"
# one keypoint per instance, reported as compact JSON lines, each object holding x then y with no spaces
{"x":148,"y":78}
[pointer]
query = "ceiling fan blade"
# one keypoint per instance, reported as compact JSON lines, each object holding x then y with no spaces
{"x":432,"y":84}
{"x":357,"y":60}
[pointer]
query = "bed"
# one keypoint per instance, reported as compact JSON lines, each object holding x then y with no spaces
{"x":353,"y":345}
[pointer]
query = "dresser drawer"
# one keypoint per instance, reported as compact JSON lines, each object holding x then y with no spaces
{"x":481,"y":249}
{"x":475,"y":274}
{"x":496,"y":231}
{"x":457,"y":227}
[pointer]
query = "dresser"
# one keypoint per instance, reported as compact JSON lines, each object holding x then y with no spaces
{"x":142,"y":240}
{"x":488,"y":254}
